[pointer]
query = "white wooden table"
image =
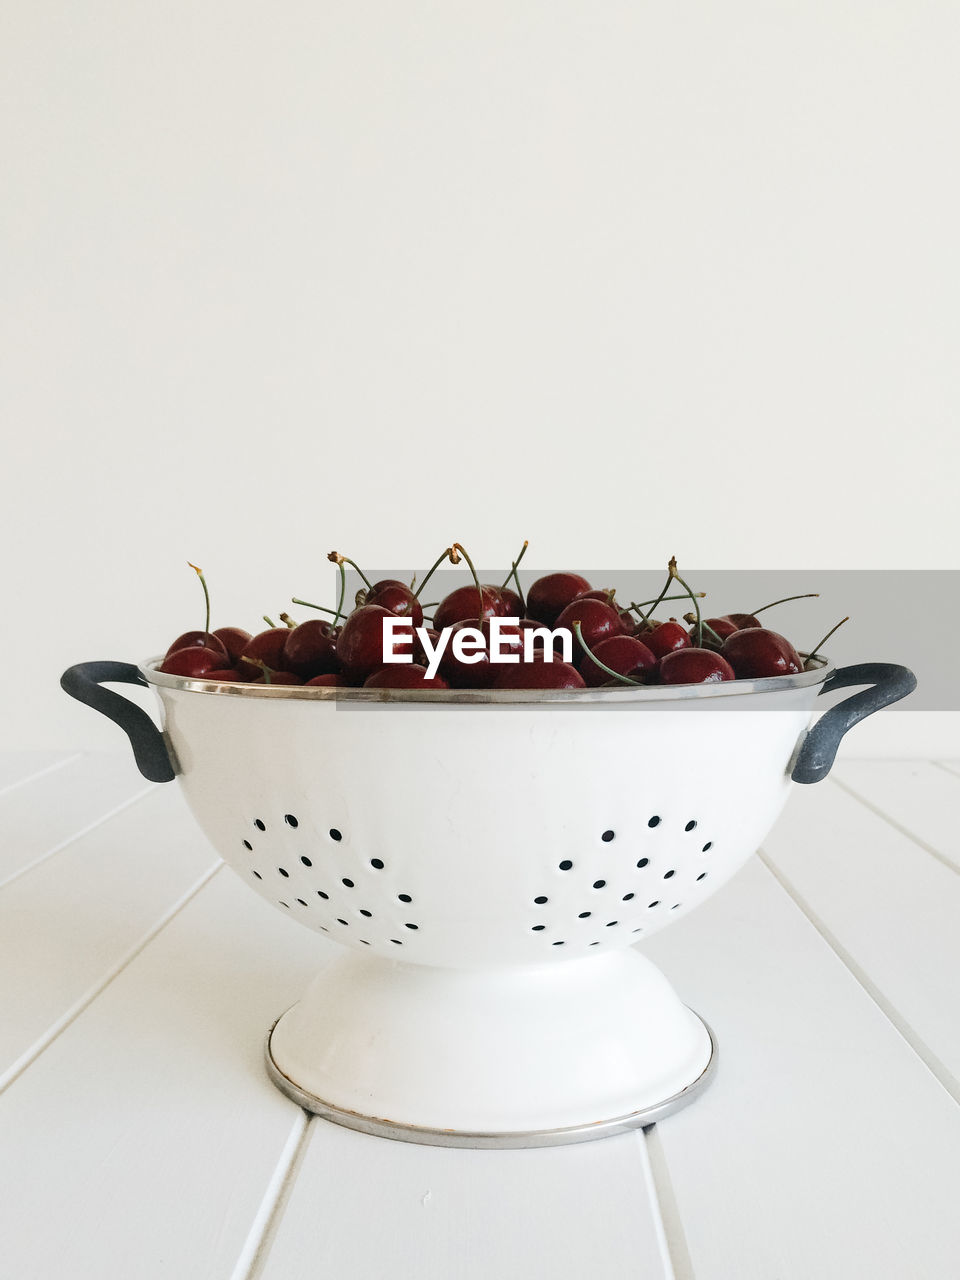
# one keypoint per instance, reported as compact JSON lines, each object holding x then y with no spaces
{"x":140,"y":1137}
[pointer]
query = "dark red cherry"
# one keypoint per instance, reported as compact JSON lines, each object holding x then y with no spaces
{"x":665,"y":638}
{"x":694,"y":666}
{"x":756,"y":652}
{"x":234,"y":640}
{"x":226,"y":676}
{"x":396,"y":598}
{"x":278,"y":677}
{"x":480,"y":673}
{"x":743,"y":620}
{"x":266,"y":646}
{"x":550,"y":595}
{"x":310,"y":649}
{"x":539,"y":675}
{"x":463,"y":605}
{"x":192,"y":662}
{"x":198,"y":640}
{"x":420,"y":656}
{"x":360,"y":646}
{"x":404,"y":676}
{"x":511,"y":606}
{"x":623,"y":654}
{"x":598,"y":621}
{"x":722,"y":626}
{"x":334,"y":679}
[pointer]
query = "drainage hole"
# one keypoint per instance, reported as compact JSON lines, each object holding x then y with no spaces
{"x":702,"y":875}
{"x":377,"y":863}
{"x":566,"y":864}
{"x":628,"y":896}
{"x":284,"y":872}
{"x":541,"y":900}
{"x":607,"y":837}
{"x":654,"y":903}
{"x":335,"y":834}
{"x":707,"y":847}
{"x":690,"y":825}
{"x":584,"y":915}
{"x":538,"y":928}
{"x":321,"y":894}
{"x":643,"y":862}
{"x":258,"y":875}
{"x":364,"y":912}
{"x":404,"y":897}
{"x":248,"y":845}
{"x":306,"y":861}
{"x":349,"y":883}
{"x":259,"y":825}
{"x":411,"y":926}
{"x":654,"y":821}
{"x":668,"y":874}
{"x":290,"y":820}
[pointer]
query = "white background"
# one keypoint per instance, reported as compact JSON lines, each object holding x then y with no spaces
{"x":628,"y":280}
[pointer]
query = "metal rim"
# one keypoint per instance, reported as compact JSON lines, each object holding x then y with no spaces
{"x":623,"y":693}
{"x":381,"y":1128}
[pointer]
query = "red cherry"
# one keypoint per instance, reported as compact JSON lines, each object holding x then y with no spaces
{"x":479,"y":674}
{"x":198,"y":640}
{"x":266,"y":646}
{"x":756,"y":652}
{"x":396,"y":598}
{"x":396,"y":676}
{"x":278,"y":677}
{"x":550,"y":595}
{"x":310,"y":649}
{"x":624,"y":654}
{"x":226,"y":676}
{"x":744,"y":620}
{"x":598,"y":621}
{"x":192,"y":662}
{"x":360,"y":646}
{"x":511,"y":606}
{"x":420,"y":655}
{"x":234,"y":640}
{"x":539,"y":675}
{"x":335,"y":680}
{"x":694,"y":666}
{"x":665,"y":638}
{"x":463,"y":605}
{"x":722,"y":626}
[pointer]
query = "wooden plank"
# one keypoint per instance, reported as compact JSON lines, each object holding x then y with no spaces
{"x":367,"y":1207}
{"x":824,"y":1147}
{"x":67,"y":924}
{"x":916,"y":796}
{"x":58,"y":806}
{"x":888,"y":908}
{"x":141,"y":1141}
{"x":17,"y":767}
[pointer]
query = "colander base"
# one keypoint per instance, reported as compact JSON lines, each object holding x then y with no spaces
{"x":512,"y":1056}
{"x":400,"y":1132}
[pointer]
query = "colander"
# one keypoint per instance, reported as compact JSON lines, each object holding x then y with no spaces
{"x":488,"y":861}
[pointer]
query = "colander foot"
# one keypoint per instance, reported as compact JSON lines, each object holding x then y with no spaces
{"x":532,"y":1057}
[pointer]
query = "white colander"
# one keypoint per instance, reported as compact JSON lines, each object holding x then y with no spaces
{"x":488,"y":862}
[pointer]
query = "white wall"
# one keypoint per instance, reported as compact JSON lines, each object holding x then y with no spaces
{"x":626,"y":279}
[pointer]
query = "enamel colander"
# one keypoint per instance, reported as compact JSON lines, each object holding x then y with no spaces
{"x":490,"y":863}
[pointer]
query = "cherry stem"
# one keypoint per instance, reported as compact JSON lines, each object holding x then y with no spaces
{"x":343,"y":592}
{"x":458,"y":548}
{"x":513,"y":573}
{"x":696,"y":602}
{"x":307,"y":605}
{"x":337,"y":558}
{"x":816,"y":651}
{"x":432,"y":570}
{"x":692,"y":617}
{"x":593,"y":658}
{"x":288,"y":621}
{"x":259,"y":662}
{"x":660,"y":598}
{"x":206,"y":594}
{"x":638,"y":608}
{"x":269,"y":621}
{"x":809,"y":595}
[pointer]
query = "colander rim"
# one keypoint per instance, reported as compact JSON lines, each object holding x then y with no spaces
{"x":622,"y":693}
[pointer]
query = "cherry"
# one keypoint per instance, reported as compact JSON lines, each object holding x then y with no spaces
{"x":234,"y":640}
{"x":396,"y":598}
{"x":463,"y":605}
{"x":360,"y":646}
{"x":757,"y":652}
{"x":742,"y":621}
{"x":550,"y":595}
{"x":511,"y":606}
{"x":266,"y":646}
{"x":665,"y":638}
{"x":278,"y":677}
{"x":479,"y":674}
{"x":598,"y":621}
{"x":539,"y":675}
{"x":694,"y":666}
{"x":227,"y":676}
{"x":722,"y":627}
{"x":192,"y":662}
{"x":623,"y":654}
{"x":310,"y":649}
{"x":410,"y":676}
{"x":335,"y":680}
{"x":198,"y":640}
{"x":420,"y":655}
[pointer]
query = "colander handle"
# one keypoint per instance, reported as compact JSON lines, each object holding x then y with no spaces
{"x":84,"y":681}
{"x":889,"y":683}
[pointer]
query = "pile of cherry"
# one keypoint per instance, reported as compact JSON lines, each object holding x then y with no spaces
{"x":611,"y":643}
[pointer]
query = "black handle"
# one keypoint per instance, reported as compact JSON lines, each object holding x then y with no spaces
{"x":889,"y":683}
{"x":149,"y":749}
